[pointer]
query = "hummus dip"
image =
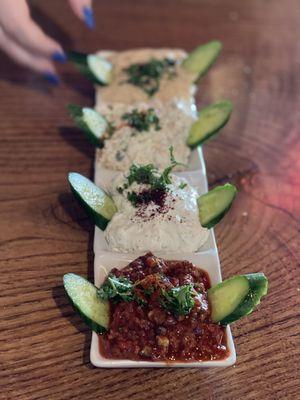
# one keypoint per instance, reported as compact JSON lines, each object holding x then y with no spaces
{"x":174,"y":84}
{"x":164,"y":220}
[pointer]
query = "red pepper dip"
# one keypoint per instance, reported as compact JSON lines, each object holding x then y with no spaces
{"x":148,"y":327}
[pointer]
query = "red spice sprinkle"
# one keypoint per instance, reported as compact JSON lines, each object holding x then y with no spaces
{"x":155,"y":196}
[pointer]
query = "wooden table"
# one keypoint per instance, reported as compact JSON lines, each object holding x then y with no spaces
{"x":44,"y":346}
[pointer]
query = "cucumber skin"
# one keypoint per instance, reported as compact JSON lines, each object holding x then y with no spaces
{"x":98,"y":219}
{"x":202,"y":73}
{"x":258,"y":287}
{"x":220,"y":216}
{"x":91,"y":324}
{"x":96,"y":142}
{"x":80,"y":62}
{"x":212,"y":133}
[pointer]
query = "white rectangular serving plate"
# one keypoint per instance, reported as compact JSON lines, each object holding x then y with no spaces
{"x":206,"y":258}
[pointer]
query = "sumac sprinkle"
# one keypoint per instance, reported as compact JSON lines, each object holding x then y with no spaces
{"x":157,"y":196}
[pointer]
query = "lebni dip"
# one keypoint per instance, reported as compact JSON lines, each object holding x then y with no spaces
{"x":155,"y":210}
{"x":161,"y":313}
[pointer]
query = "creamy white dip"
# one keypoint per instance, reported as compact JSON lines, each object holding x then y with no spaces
{"x":127,"y":145}
{"x":173,"y":228}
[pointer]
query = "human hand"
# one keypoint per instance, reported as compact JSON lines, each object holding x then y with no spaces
{"x":26,"y":43}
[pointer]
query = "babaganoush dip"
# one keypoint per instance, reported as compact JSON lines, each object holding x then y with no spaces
{"x":155,"y":210}
{"x":161,"y":313}
{"x":141,"y":134}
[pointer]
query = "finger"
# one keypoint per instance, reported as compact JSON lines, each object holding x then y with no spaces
{"x":83,"y":10}
{"x":18,"y":25}
{"x":25,"y":58}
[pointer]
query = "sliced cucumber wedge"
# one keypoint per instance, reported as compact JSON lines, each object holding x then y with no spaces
{"x":236,"y":297}
{"x":98,"y":205}
{"x":83,"y":296}
{"x":100,"y":67}
{"x":90,"y":121}
{"x":94,"y":67}
{"x":214,"y":204}
{"x":201,"y":59}
{"x":211,"y":120}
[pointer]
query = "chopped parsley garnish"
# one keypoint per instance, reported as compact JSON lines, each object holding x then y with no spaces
{"x":179,"y":300}
{"x":142,"y":120}
{"x":147,"y":76}
{"x":182,"y":185}
{"x":148,"y":175}
{"x":133,"y":198}
{"x":116,"y":289}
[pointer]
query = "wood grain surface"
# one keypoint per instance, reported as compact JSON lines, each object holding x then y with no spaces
{"x":44,"y":346}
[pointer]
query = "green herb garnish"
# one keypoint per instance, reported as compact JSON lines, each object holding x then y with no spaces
{"x":182,"y":185}
{"x":120,"y":289}
{"x":147,"y":76}
{"x":117,"y":289}
{"x":142,"y":120}
{"x":133,"y":198}
{"x":179,"y":300}
{"x":165,"y":176}
{"x":149,"y":175}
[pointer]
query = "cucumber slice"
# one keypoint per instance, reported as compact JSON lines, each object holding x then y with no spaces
{"x":98,"y":205}
{"x":94,"y":67}
{"x":100,"y":68}
{"x":200,"y":59}
{"x":83,"y":296}
{"x":236,"y":297}
{"x":210,"y":121}
{"x":214,"y":204}
{"x":90,"y":121}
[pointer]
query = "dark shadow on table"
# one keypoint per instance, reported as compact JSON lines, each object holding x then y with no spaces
{"x":19,"y":76}
{"x":77,"y":214}
{"x":75,"y":137}
{"x":67,"y":311}
{"x":77,"y":82}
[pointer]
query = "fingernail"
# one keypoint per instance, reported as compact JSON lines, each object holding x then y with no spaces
{"x":59,"y":56}
{"x":89,"y":17}
{"x":51,"y":78}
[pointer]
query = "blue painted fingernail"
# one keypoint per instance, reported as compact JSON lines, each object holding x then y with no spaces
{"x":51,"y":78}
{"x":59,"y":56}
{"x":89,"y":17}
